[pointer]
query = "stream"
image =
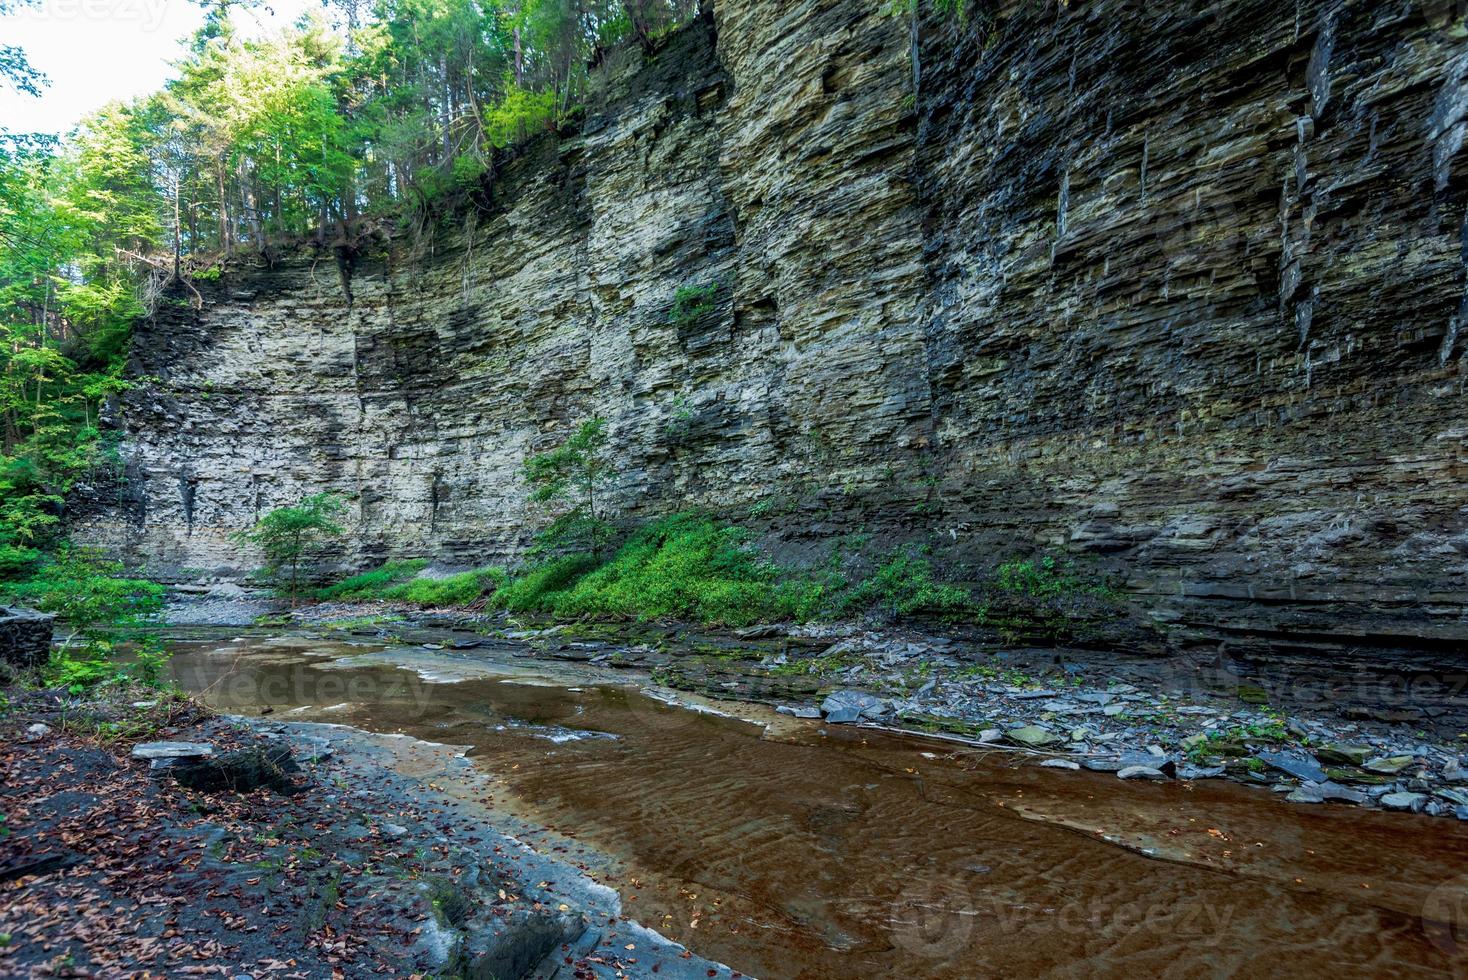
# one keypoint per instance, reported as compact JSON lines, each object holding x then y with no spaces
{"x":790,"y":848}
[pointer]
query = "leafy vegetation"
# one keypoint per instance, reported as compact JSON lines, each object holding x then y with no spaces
{"x":289,"y":536}
{"x":904,"y":586}
{"x":358,"y":112}
{"x":1046,"y":600}
{"x":399,"y":581}
{"x":682,"y":567}
{"x":102,"y":611}
{"x":1045,"y":579}
{"x":574,"y":473}
{"x":374,"y":584}
{"x":690,"y":303}
{"x":463,"y":589}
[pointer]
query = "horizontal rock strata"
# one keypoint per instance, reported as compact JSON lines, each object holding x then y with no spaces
{"x":1174,"y":287}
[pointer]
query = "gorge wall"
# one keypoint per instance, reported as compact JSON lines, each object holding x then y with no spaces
{"x":1178,"y":287}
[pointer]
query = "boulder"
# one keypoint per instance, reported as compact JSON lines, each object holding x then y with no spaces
{"x":25,"y":637}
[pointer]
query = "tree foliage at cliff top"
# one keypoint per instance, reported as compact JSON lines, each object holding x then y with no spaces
{"x":379,"y":110}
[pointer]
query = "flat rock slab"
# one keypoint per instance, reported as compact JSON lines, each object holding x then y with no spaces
{"x":1187,"y":771}
{"x":1389,"y":765}
{"x":1342,"y":753}
{"x":1296,"y":764}
{"x":172,"y":750}
{"x":1032,"y":735}
{"x":1404,"y":801}
{"x":1142,"y":772}
{"x":1325,"y":792}
{"x":860,"y":702}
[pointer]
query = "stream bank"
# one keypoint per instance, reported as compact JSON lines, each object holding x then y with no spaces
{"x":1370,"y":736}
{"x":371,"y":856}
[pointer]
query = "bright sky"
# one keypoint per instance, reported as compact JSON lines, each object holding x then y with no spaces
{"x":95,"y":51}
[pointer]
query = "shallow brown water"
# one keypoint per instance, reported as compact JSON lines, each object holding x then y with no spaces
{"x":813,"y":851}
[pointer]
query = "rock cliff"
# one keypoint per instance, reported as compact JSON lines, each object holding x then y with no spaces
{"x":1176,"y":286}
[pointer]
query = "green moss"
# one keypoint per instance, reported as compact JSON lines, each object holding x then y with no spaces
{"x":374,"y":584}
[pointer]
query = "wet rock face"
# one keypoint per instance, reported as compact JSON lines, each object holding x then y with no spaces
{"x":1178,"y":287}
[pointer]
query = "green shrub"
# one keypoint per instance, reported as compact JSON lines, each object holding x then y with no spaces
{"x":520,"y":115}
{"x":682,"y":567}
{"x":1044,"y":579}
{"x":453,"y":590}
{"x":904,"y":586}
{"x":575,"y":472}
{"x":288,"y":536}
{"x":373,"y":584}
{"x":692,"y":567}
{"x":692,"y":302}
{"x":533,"y":589}
{"x":101,"y":610}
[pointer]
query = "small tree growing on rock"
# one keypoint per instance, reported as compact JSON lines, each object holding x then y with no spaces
{"x":287,"y":536}
{"x":576,"y":471}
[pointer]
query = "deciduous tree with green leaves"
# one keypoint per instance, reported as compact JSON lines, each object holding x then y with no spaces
{"x":289,"y":536}
{"x":574,"y":472}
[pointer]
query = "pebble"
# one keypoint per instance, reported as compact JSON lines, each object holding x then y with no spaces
{"x":799,"y":711}
{"x":1060,"y":764}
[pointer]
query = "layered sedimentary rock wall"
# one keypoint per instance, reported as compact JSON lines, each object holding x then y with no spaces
{"x":1174,"y":286}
